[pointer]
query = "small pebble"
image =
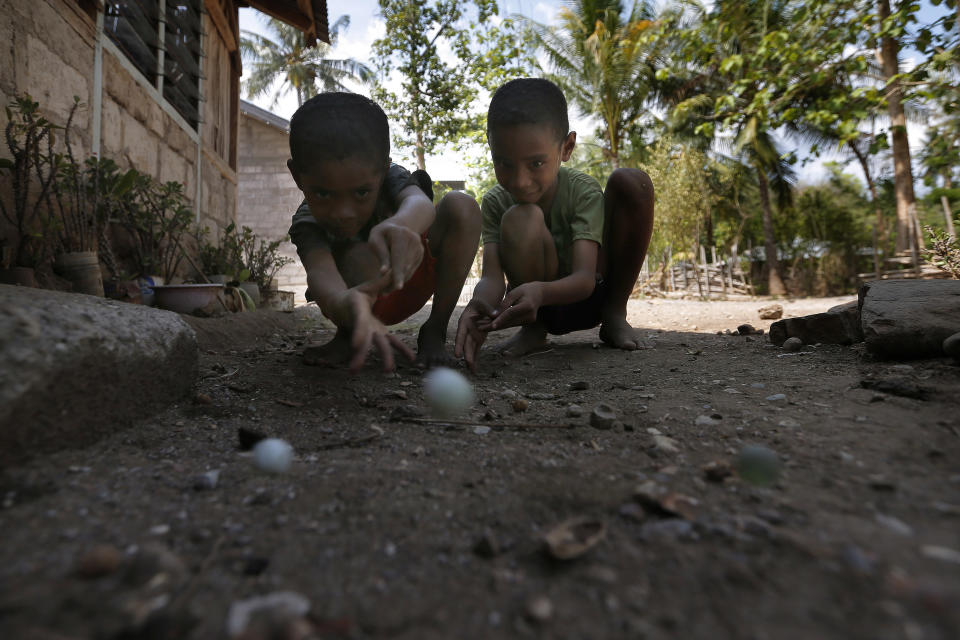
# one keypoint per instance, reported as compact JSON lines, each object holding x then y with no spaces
{"x":777,"y":397}
{"x":520,"y":405}
{"x":99,"y":561}
{"x":706,"y":421}
{"x":603,"y":416}
{"x":481,"y":431}
{"x":951,"y":346}
{"x":540,"y":609}
{"x":207,"y":480}
{"x":579,"y":385}
{"x":792,"y":344}
{"x":574,"y":411}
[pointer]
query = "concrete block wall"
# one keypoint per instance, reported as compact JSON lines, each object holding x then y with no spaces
{"x":267,"y":196}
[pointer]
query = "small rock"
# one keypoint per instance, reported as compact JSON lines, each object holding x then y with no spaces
{"x":792,"y":344}
{"x":99,"y":561}
{"x":777,"y":397}
{"x":858,"y":559}
{"x":603,"y":416}
{"x":665,"y":444}
{"x":539,"y":609}
{"x":481,"y":431}
{"x":579,"y":385}
{"x":202,"y":398}
{"x":746,"y":330}
{"x":488,"y":546}
{"x":160,"y":530}
{"x":206,"y":481}
{"x":951,"y":346}
{"x":574,"y":411}
{"x":673,"y":528}
{"x":771,"y":312}
{"x":896,"y":525}
{"x":941,"y":553}
{"x":276,"y":606}
{"x":706,"y":421}
{"x":717,"y":471}
{"x":508,"y":394}
{"x":154,"y":560}
{"x":757,"y":385}
{"x":520,"y":405}
{"x":788,"y":423}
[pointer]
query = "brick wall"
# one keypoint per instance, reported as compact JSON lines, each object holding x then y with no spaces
{"x":267,"y":195}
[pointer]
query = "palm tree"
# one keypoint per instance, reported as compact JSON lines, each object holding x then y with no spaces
{"x":603,"y":64}
{"x":287,"y":58}
{"x":722,"y":44}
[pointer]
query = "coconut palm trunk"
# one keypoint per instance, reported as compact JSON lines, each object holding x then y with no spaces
{"x":902,"y":170}
{"x":774,"y":277}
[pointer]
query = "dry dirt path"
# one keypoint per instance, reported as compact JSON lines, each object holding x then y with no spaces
{"x":399,"y":529}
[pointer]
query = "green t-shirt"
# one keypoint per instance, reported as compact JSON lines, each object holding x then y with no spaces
{"x":576,"y":214}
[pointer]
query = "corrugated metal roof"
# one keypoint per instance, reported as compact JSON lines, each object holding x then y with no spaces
{"x":263,"y":115}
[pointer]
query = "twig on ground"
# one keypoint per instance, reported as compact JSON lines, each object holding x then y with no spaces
{"x":492,"y":425}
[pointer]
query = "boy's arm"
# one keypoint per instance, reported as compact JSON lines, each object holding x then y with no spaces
{"x":326,"y":285}
{"x":396,"y":240}
{"x":474,"y":322}
{"x":520,"y":306}
{"x":351,"y":308}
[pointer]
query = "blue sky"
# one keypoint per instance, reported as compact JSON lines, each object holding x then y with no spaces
{"x":366,"y":27}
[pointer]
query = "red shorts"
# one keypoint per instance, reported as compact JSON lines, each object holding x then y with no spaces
{"x":397,"y":306}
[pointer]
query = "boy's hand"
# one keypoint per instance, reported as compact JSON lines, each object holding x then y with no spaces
{"x":519,"y":306}
{"x":400,"y":251}
{"x":367,"y":329}
{"x":472,"y":331}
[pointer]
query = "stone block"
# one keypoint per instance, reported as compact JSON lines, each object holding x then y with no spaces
{"x":139,"y":145}
{"x":53,"y":83}
{"x":905,"y":319}
{"x":173,"y":167}
{"x":111,"y":129}
{"x":74,"y":368}
{"x":838,"y":325}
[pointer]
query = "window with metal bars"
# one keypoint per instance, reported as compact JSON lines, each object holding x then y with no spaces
{"x":166,"y":51}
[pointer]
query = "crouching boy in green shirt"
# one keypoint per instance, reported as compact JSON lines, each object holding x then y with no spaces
{"x":570,"y":251}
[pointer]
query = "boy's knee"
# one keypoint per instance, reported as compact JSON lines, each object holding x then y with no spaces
{"x":632,"y":183}
{"x":460,"y":210}
{"x":522,"y":222}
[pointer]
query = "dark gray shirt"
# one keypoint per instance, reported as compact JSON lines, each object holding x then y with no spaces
{"x":307,"y":234}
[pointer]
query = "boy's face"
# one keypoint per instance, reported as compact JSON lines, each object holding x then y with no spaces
{"x":341,"y":194}
{"x":526,"y":159}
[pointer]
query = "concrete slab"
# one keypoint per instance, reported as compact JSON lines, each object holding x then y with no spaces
{"x":75,"y":367}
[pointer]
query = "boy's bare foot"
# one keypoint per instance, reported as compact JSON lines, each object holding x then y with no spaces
{"x":431,"y":348}
{"x":617,"y":332}
{"x":337,"y":351}
{"x":530,"y":338}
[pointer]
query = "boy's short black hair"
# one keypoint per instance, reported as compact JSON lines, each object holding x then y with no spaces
{"x":529,"y":101}
{"x":338,"y":125}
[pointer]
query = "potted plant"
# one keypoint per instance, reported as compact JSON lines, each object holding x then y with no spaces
{"x":32,"y":171}
{"x":262,"y":259}
{"x":222,"y":262}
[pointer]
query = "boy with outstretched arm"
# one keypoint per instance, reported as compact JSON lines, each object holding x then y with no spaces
{"x":371,"y":241}
{"x":570,"y":251}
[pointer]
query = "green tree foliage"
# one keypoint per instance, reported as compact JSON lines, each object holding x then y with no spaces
{"x":683,"y":199}
{"x":285,"y":57}
{"x":601,"y":58}
{"x":432,"y":104}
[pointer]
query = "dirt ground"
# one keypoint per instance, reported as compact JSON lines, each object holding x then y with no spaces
{"x":388,"y":525}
